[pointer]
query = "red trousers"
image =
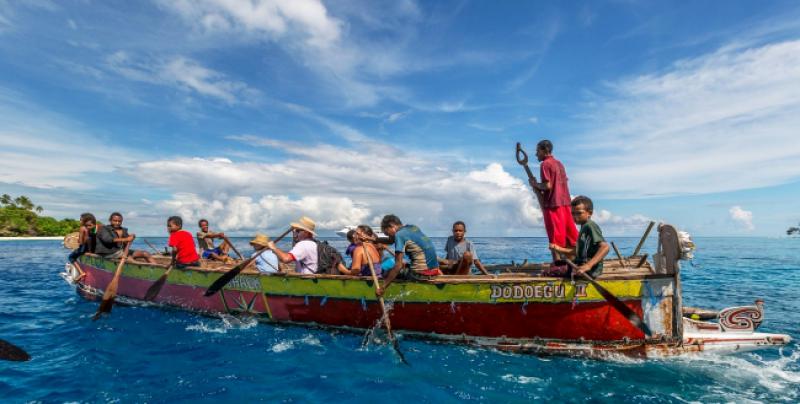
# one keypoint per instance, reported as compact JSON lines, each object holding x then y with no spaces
{"x":560,"y":226}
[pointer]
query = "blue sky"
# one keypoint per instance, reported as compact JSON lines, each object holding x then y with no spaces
{"x":252,"y":113}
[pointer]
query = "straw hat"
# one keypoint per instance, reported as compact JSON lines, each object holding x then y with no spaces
{"x":305,"y":223}
{"x":260,"y":240}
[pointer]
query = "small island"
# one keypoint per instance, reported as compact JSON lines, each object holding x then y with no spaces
{"x":793,"y":230}
{"x":19,"y":217}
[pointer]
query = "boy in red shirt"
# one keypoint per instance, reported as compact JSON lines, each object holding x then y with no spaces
{"x":184,"y":252}
{"x":558,"y":221}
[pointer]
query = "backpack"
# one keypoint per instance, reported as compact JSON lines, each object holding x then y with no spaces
{"x":327,"y":258}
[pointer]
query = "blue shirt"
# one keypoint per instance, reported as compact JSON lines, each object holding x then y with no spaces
{"x":266,"y":262}
{"x":417,"y":247}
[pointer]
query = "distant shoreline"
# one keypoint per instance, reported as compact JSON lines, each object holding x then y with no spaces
{"x":31,"y":238}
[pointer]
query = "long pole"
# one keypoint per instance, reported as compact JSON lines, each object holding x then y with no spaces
{"x":386,"y":322}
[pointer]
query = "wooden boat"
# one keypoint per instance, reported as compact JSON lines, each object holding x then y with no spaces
{"x":517,"y":310}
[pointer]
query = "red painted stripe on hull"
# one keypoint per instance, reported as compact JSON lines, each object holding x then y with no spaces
{"x":596,"y":321}
{"x":592,"y":321}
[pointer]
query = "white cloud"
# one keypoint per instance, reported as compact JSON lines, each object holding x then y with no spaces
{"x":269,"y":211}
{"x":534,"y":120}
{"x":743,"y":217}
{"x":614,"y":224}
{"x":723,"y":121}
{"x":392,"y":118}
{"x":343,"y":186}
{"x":307,"y":31}
{"x":185,"y":74}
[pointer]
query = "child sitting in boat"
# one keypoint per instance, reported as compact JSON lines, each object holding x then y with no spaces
{"x":184,"y":253}
{"x":592,"y":247}
{"x":461,"y":253}
{"x":205,"y":238}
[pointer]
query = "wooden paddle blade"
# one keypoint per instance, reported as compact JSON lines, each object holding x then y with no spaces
{"x":617,"y":304}
{"x":105,"y":307}
{"x":621,"y":307}
{"x":396,"y":346}
{"x":11,"y":352}
{"x":155,"y":288}
{"x":225,"y":278}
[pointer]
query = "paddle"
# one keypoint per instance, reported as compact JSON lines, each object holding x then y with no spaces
{"x":152,"y":246}
{"x":386,"y":322}
{"x":616,"y":303}
{"x":155,"y":288}
{"x":111,"y":289}
{"x":228,"y":276}
{"x":11,"y":352}
{"x":232,"y":247}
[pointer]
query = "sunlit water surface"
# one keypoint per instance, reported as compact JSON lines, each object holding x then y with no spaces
{"x":154,"y":355}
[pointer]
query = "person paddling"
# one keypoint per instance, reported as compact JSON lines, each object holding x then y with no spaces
{"x":205,"y":238}
{"x":112,"y":238}
{"x":412,"y":242}
{"x":360,"y":264}
{"x":555,"y":200}
{"x":184,"y":253}
{"x":304,"y":253}
{"x":592,"y":247}
{"x":267,"y":261}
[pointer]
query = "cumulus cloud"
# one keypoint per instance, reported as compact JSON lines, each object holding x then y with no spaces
{"x":269,"y":211}
{"x":182,"y":73}
{"x":620,"y":224}
{"x":306,"y":29}
{"x":339,"y":185}
{"x":742,"y":217}
{"x":723,"y":121}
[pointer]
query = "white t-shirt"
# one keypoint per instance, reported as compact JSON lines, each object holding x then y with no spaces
{"x":305,"y":254}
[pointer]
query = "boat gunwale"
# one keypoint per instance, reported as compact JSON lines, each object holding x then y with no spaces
{"x":503,"y":278}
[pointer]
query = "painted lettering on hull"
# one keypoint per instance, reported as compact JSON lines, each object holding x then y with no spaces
{"x":244,"y":283}
{"x":548,"y":290}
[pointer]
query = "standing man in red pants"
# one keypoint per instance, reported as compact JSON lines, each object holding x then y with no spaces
{"x":554,"y":197}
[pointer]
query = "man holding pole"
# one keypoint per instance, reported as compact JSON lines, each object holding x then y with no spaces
{"x":554,"y":199}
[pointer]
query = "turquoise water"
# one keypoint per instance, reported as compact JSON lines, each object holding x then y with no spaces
{"x":154,"y":355}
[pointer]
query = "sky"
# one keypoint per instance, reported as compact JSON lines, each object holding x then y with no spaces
{"x":253,"y":113}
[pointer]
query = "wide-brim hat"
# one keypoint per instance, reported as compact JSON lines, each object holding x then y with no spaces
{"x":305,"y":223}
{"x":260,"y":240}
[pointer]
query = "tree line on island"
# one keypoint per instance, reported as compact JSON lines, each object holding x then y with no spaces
{"x":20,"y":217}
{"x":793,"y":230}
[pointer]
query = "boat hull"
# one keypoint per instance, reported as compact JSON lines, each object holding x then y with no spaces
{"x":516,"y":313}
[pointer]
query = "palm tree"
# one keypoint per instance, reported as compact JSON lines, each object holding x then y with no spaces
{"x":24,"y":202}
{"x":6,"y":199}
{"x":39,"y":209}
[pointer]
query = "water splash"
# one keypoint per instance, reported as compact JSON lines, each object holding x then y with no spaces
{"x":778,"y":375}
{"x":227,"y":322}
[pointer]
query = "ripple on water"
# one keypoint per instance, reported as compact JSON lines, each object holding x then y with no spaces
{"x":157,"y":355}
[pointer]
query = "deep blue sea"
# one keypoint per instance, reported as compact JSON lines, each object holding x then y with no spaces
{"x":142,"y":354}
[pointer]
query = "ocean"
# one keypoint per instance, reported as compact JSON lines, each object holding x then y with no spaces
{"x":146,"y":354}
